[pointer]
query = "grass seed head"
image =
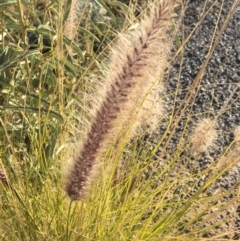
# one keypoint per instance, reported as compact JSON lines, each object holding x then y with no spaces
{"x":136,"y":63}
{"x":203,"y":136}
{"x":3,"y":178}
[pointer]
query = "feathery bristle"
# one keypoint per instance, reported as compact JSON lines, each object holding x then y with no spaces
{"x":135,"y":65}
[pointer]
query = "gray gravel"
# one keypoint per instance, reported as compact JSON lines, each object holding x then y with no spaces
{"x":220,"y":79}
{"x":222,"y":73}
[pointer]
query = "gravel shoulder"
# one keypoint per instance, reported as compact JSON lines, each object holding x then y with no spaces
{"x":219,"y":81}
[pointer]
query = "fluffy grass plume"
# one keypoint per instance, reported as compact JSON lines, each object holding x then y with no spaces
{"x":136,"y":63}
{"x":203,"y":136}
{"x":70,"y":27}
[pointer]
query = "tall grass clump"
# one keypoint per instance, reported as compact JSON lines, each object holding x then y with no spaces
{"x":91,"y":102}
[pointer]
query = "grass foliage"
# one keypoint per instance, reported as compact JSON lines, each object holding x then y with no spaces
{"x":45,"y":83}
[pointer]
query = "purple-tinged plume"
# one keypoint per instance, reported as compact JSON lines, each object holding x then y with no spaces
{"x":137,"y":63}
